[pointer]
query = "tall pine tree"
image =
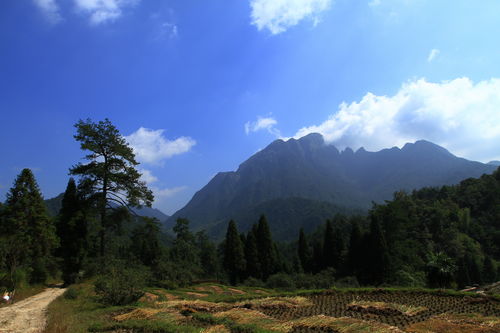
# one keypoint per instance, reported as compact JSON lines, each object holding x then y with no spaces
{"x":304,"y":252}
{"x":234,"y":256}
{"x":72,"y":232}
{"x":31,"y":232}
{"x":265,"y":248}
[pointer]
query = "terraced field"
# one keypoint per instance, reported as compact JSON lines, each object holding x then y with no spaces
{"x":216,"y":308}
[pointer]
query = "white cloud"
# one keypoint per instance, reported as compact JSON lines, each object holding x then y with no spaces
{"x":150,"y":146}
{"x":50,"y":10}
{"x":102,"y":11}
{"x":263,"y":123}
{"x":432,"y":55}
{"x":279,"y":15}
{"x":147,"y":176}
{"x":167,"y":192}
{"x":460,"y":115}
{"x":374,"y":3}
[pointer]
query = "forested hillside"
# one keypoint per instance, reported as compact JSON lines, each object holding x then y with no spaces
{"x":437,"y":236}
{"x":327,"y":180}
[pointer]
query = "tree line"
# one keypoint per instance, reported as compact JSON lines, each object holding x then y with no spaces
{"x":436,"y":237}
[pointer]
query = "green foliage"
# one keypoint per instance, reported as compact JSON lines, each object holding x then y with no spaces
{"x":72,"y":232}
{"x":121,"y":284}
{"x":234,"y":257}
{"x":71,"y":293}
{"x":111,"y":175}
{"x":280,"y":281}
{"x":265,"y":248}
{"x":27,"y":234}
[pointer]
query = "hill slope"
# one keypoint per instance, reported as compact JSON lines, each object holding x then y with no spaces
{"x":309,"y":169}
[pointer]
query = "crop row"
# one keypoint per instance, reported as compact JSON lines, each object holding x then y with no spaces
{"x":337,"y":305}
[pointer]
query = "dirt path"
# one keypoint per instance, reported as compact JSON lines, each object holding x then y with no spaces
{"x":29,"y":314}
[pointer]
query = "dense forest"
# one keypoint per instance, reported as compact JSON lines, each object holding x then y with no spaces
{"x":446,"y":237}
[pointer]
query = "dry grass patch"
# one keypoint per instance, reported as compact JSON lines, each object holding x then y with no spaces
{"x":168,"y":296}
{"x":343,"y":325}
{"x":236,"y":291}
{"x":457,"y":323}
{"x":149,"y":298}
{"x":216,"y":329}
{"x":247,"y":316}
{"x":196,"y":295}
{"x":195,"y":305}
{"x":140,"y":313}
{"x":277,"y":303}
{"x":383,"y":308}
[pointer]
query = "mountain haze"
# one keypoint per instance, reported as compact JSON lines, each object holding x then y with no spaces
{"x":324,"y":180}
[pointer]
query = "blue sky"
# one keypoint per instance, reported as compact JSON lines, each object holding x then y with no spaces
{"x":199,"y":86}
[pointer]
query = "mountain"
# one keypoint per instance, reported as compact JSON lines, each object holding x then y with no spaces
{"x":54,"y":206}
{"x":494,"y":163}
{"x":325,"y":179}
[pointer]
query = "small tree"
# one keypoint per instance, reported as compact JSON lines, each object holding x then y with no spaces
{"x":111,"y":175}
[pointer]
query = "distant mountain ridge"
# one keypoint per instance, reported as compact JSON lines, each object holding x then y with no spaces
{"x":54,"y":206}
{"x":307,"y":169}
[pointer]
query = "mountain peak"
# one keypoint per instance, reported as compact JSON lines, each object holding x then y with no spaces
{"x":313,"y":140}
{"x":424,"y":146}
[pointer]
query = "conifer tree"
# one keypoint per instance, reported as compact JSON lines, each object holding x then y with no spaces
{"x":72,"y":232}
{"x":252,"y":256}
{"x":265,"y":248}
{"x":146,"y":243}
{"x":304,"y":252}
{"x":30,"y":230}
{"x":208,"y":255}
{"x":111,"y":175}
{"x":234,"y":256}
{"x":377,"y":256}
{"x":354,"y":260}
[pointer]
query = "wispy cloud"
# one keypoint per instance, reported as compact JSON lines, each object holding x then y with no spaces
{"x":460,"y":115}
{"x":147,"y":176}
{"x":167,"y":192}
{"x":158,"y":192}
{"x":432,"y":55}
{"x":102,"y":11}
{"x":374,"y":3}
{"x":279,"y":15}
{"x":150,"y":146}
{"x":263,"y":123}
{"x":50,"y":9}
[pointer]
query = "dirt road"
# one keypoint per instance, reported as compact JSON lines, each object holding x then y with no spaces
{"x":29,"y":314}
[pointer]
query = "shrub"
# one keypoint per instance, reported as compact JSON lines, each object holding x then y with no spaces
{"x":280,"y":281}
{"x":71,"y":293}
{"x":253,"y":282}
{"x":121,"y":285}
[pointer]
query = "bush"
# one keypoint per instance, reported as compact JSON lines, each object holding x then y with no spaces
{"x":121,"y":285}
{"x":347,"y":282}
{"x":305,"y":281}
{"x":280,"y":281}
{"x":71,"y":293}
{"x":253,"y":282}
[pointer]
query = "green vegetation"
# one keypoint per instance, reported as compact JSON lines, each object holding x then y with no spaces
{"x":436,"y":237}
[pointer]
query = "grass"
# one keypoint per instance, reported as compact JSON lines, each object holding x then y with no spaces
{"x":232,"y":309}
{"x":457,"y":323}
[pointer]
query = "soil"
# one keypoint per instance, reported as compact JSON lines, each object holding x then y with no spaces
{"x":28,"y":315}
